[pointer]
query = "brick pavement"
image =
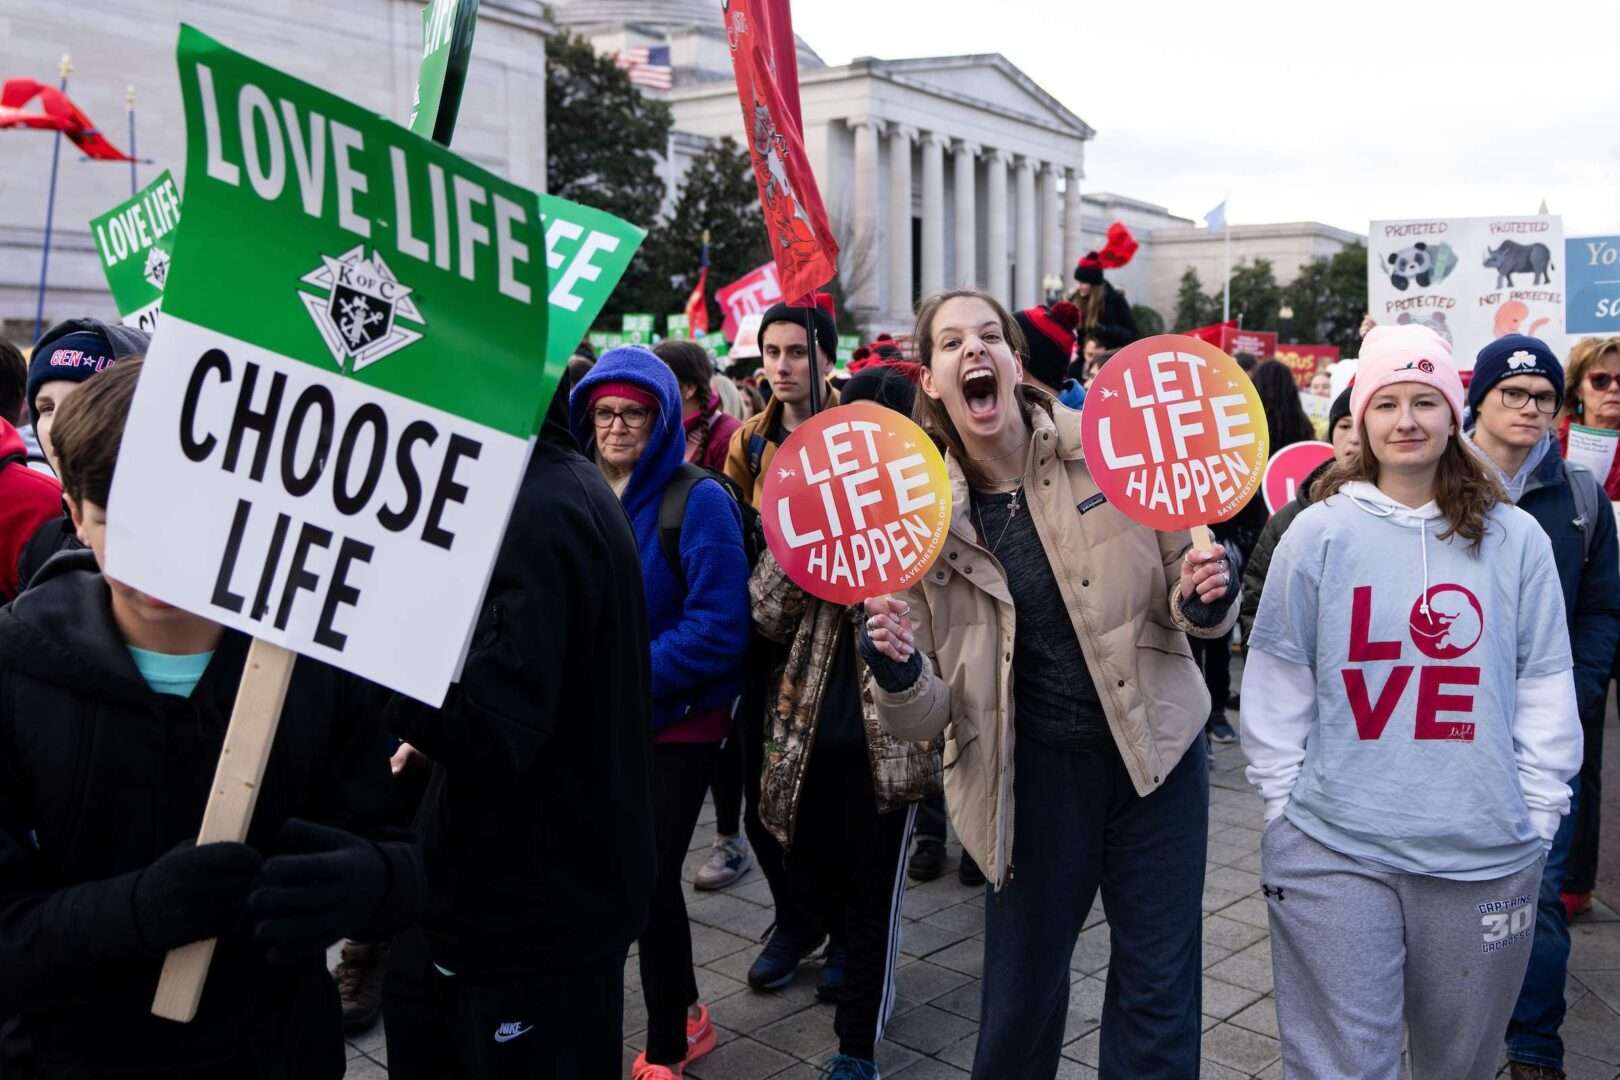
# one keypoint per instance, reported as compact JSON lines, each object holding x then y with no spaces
{"x":784,"y":1035}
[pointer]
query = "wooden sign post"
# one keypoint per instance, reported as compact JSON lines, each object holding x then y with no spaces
{"x":1175,"y":435}
{"x":248,"y":739}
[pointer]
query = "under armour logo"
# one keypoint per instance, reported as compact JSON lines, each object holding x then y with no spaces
{"x":1269,"y":892}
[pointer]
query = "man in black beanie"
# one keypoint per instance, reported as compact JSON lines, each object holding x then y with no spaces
{"x":1514,"y":400}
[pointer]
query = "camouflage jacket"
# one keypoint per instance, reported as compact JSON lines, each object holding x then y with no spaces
{"x":902,"y":772}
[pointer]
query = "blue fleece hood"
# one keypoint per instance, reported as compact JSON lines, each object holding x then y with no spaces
{"x":666,"y":445}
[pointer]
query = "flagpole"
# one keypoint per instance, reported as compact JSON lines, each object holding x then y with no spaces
{"x":810,"y":340}
{"x":62,"y":69}
{"x":1226,"y":289}
{"x":129,"y":100}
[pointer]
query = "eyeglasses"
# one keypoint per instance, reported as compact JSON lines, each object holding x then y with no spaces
{"x":634,"y":418}
{"x":1602,"y":380}
{"x":1546,"y":401}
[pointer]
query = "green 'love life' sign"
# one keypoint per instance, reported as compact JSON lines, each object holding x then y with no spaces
{"x":135,"y":240}
{"x":340,"y":401}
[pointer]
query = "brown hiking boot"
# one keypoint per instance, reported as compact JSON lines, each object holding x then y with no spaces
{"x":360,"y":981}
{"x":1518,"y":1070}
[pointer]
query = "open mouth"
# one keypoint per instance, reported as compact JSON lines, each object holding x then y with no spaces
{"x":979,"y":391}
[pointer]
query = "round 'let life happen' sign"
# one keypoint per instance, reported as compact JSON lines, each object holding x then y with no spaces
{"x":1174,"y":433}
{"x":856,"y":503}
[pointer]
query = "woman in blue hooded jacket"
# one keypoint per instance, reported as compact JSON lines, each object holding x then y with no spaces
{"x":626,"y":414}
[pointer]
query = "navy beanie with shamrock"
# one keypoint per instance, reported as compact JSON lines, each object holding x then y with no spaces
{"x":1514,"y":354}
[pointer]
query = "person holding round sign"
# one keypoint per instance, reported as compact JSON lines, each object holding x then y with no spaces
{"x":1049,"y":644}
{"x":854,"y":503}
{"x":1410,"y":721}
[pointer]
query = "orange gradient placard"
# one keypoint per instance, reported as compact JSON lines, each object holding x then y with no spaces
{"x":1174,"y":433}
{"x":856,"y":503}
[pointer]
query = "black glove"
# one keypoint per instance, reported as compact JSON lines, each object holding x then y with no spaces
{"x":193,"y":893}
{"x":325,"y":885}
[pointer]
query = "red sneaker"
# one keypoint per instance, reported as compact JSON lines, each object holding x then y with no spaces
{"x":700,"y":1039}
{"x":1576,"y":904}
{"x":643,"y":1071}
{"x":700,"y":1036}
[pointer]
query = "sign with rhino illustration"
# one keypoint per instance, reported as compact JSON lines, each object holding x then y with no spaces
{"x":1470,"y":280}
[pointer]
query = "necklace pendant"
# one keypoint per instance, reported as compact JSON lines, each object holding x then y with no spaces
{"x":1012,"y":506}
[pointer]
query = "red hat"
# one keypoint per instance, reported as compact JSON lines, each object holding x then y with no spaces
{"x":627,"y":390}
{"x":1118,"y":250}
{"x":1049,"y":340}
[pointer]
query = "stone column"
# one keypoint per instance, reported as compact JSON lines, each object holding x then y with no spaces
{"x":1071,"y":227}
{"x":967,"y":224}
{"x":1051,"y":229}
{"x":866,"y":204}
{"x":933,"y":208}
{"x":995,"y":253}
{"x":898,"y":249}
{"x":1026,"y":278}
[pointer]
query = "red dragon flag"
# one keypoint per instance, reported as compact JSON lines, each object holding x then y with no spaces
{"x":765,"y":60}
{"x":60,"y":114}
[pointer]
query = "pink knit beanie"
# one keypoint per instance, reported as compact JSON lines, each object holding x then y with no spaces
{"x":1405,"y":353}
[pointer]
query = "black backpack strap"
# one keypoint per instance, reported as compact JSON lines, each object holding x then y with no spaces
{"x":672,"y":513}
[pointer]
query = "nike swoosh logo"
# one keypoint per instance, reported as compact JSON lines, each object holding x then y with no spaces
{"x":507,"y":1032}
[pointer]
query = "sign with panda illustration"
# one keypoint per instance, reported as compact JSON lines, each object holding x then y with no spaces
{"x":1471,"y":280}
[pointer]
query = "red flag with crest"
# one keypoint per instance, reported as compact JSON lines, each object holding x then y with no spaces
{"x":59,"y":114}
{"x":765,"y":60}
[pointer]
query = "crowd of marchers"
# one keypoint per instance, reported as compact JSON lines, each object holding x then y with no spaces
{"x":1429,"y":630}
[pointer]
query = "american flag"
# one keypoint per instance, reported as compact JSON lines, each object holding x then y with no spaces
{"x":648,"y":67}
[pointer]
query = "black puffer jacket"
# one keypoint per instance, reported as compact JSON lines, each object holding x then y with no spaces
{"x":1254,"y":574}
{"x":537,"y":823}
{"x":99,"y":776}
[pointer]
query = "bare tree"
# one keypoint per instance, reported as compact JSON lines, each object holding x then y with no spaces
{"x":858,"y":265}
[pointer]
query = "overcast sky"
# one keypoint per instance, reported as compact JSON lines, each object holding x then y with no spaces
{"x":1341,"y":112}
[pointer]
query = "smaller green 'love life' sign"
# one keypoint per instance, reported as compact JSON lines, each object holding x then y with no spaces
{"x":135,"y":240}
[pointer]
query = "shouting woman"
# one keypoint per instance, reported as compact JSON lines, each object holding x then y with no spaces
{"x":1049,"y":644}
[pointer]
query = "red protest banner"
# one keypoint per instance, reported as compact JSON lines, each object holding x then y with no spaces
{"x":1232,"y":339}
{"x":750,"y":294}
{"x":1304,"y":361}
{"x":1174,"y":433}
{"x":1287,"y":470}
{"x":764,"y":58}
{"x":856,"y":504}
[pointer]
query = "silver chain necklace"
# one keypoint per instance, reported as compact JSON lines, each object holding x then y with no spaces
{"x":1012,"y":512}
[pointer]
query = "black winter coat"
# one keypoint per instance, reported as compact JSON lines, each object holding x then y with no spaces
{"x":1259,"y":564}
{"x":1117,"y":327}
{"x":99,"y":776}
{"x":537,"y":822}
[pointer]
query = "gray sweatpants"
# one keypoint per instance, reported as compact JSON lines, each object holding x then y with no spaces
{"x":1356,"y":949}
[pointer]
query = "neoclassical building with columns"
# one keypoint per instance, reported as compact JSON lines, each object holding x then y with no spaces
{"x":940,"y":171}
